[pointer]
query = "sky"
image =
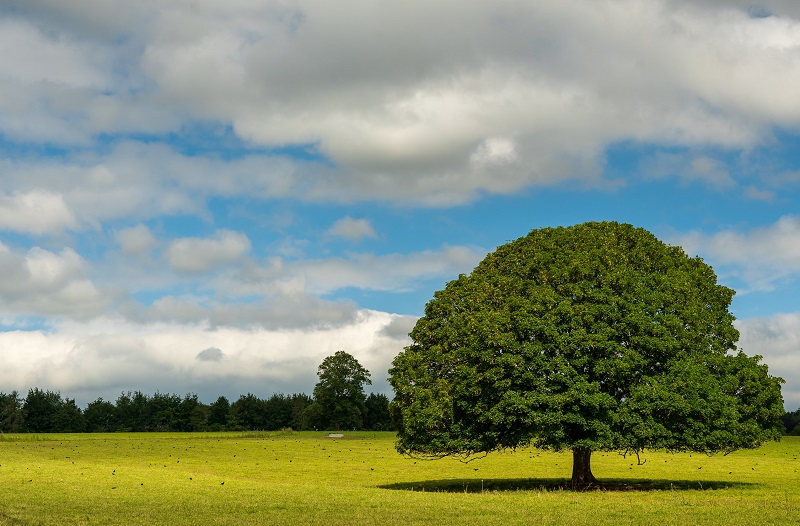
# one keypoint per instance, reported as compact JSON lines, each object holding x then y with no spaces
{"x":211,"y":197}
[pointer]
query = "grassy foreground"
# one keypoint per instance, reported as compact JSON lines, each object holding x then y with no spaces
{"x":306,"y":478}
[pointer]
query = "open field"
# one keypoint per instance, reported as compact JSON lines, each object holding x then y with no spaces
{"x":305,"y":478}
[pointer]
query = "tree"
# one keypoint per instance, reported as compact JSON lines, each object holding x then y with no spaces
{"x":597,"y":337}
{"x":218,"y":415}
{"x":377,"y":416}
{"x":39,"y":410}
{"x":68,"y":418}
{"x":101,"y":416}
{"x":339,"y":394}
{"x":10,"y":412}
{"x":193,"y":414}
{"x":248,"y":413}
{"x":300,"y":401}
{"x":791,"y":420}
{"x":278,"y":412}
{"x":164,"y":412}
{"x":133,"y":412}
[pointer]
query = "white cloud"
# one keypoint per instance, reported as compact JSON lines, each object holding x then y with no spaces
{"x":137,"y":240}
{"x":32,"y":57}
{"x":689,"y":169}
{"x":777,"y":339}
{"x":495,"y":150}
{"x":109,"y":356}
{"x":36,"y":212}
{"x":758,"y":194}
{"x":352,"y":229}
{"x":538,"y":89}
{"x":44,"y":283}
{"x":388,"y":272}
{"x":83,"y":19}
{"x":137,"y":181}
{"x":762,"y":257}
{"x":195,"y":255}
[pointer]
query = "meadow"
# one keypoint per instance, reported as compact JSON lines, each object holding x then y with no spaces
{"x":307,"y":478}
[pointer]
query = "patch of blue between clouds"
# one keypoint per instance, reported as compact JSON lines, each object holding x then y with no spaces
{"x":11,"y":149}
{"x":215,"y":140}
{"x":25,"y":324}
{"x":758,"y":11}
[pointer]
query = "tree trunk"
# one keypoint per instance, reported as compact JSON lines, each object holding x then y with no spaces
{"x":582,"y":468}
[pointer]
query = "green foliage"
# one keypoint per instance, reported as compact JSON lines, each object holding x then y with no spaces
{"x":133,"y":412}
{"x":277,"y":412}
{"x":100,"y":416}
{"x":597,"y":337}
{"x":791,"y":420}
{"x":45,"y":411}
{"x":339,"y":395}
{"x":299,"y":403}
{"x":218,"y":414}
{"x":10,"y":412}
{"x":376,"y":414}
{"x":248,"y":412}
{"x":68,"y":418}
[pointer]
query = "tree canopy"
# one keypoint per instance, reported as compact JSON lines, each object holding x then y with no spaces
{"x":596,"y":337}
{"x":339,"y":395}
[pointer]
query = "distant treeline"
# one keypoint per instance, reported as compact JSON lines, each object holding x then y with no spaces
{"x":792,"y":422}
{"x":43,"y":411}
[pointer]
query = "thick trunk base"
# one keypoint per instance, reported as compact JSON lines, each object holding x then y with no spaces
{"x":582,"y":468}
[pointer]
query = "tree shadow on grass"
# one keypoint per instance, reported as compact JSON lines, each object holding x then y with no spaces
{"x":484,"y":485}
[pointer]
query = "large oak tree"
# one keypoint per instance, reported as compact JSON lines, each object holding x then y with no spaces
{"x":596,"y":337}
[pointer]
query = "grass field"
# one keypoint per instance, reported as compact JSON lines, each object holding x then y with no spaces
{"x":305,"y":478}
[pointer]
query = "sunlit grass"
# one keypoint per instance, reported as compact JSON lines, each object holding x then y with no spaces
{"x":306,"y":478}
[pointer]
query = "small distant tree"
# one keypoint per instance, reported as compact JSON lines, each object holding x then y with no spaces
{"x":312,"y":417}
{"x":300,"y":401}
{"x":193,"y":414}
{"x":69,"y":418}
{"x":10,"y":412}
{"x":278,"y":412}
{"x":376,"y":416}
{"x":248,"y":413}
{"x":339,"y":395}
{"x":597,"y":337}
{"x":39,"y":410}
{"x":101,"y":416}
{"x":134,"y":412}
{"x":164,"y":412}
{"x":218,"y":414}
{"x":791,"y":420}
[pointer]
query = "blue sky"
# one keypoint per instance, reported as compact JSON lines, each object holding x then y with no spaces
{"x":277,"y":181}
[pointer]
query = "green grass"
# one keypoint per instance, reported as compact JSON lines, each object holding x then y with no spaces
{"x":305,"y":478}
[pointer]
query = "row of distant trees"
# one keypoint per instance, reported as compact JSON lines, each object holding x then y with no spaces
{"x":43,"y":411}
{"x":792,"y":422}
{"x":338,"y":403}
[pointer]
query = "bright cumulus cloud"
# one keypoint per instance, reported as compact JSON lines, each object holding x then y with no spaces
{"x":84,"y":359}
{"x":213,"y":195}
